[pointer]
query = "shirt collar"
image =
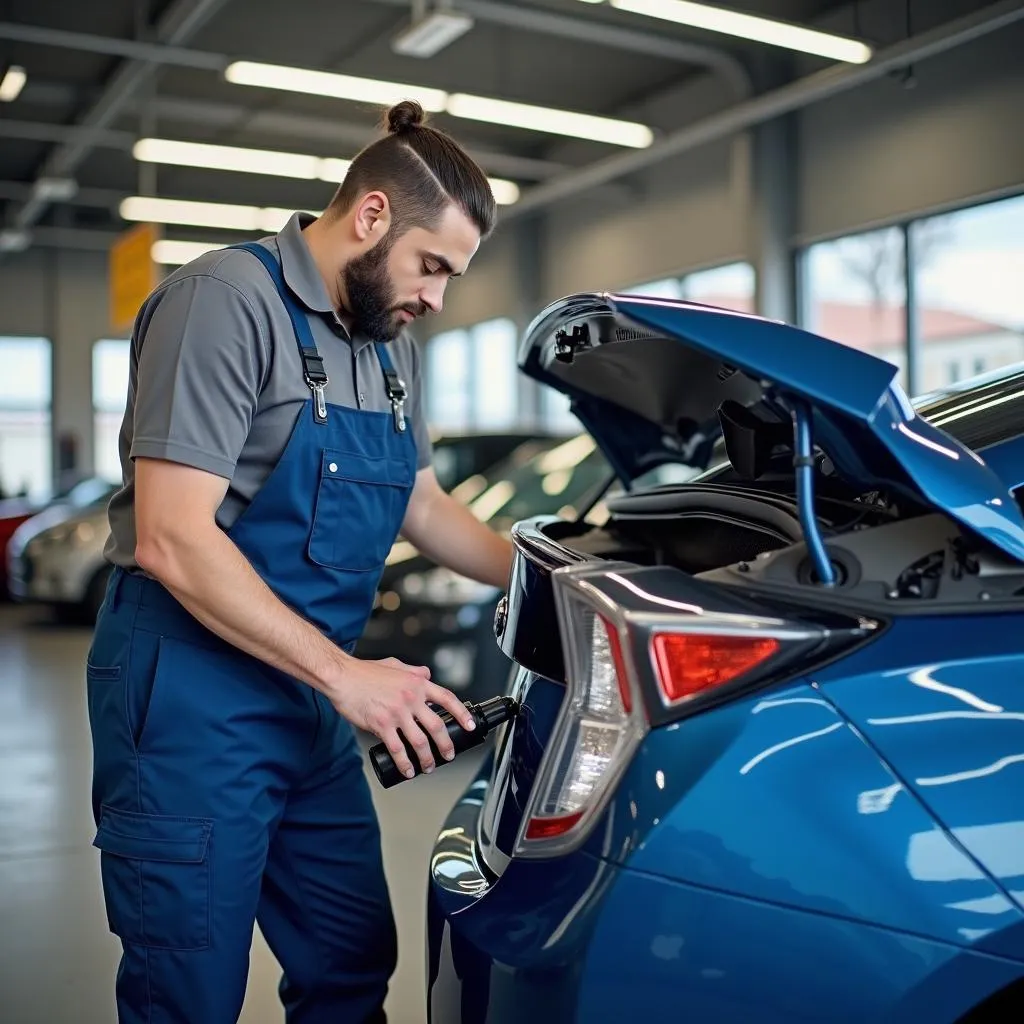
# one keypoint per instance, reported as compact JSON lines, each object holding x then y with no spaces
{"x":299,"y":269}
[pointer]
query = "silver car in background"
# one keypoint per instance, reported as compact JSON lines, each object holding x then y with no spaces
{"x":56,"y":557}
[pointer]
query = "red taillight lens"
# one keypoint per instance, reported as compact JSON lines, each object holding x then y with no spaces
{"x":548,"y":827}
{"x":690,"y":663}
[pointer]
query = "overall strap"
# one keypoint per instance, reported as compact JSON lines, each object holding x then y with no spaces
{"x":312,"y":362}
{"x":394,"y":384}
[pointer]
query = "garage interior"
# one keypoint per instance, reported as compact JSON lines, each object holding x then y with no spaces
{"x":873,"y":195}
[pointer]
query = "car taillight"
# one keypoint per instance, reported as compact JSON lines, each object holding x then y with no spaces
{"x":689,"y":664}
{"x":635,"y":659}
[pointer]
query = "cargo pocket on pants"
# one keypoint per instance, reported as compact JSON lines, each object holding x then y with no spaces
{"x":156,"y":878}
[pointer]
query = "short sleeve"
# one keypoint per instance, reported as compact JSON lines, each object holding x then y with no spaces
{"x":418,"y":412}
{"x":201,"y":360}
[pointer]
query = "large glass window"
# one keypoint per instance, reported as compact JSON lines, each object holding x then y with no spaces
{"x":472,"y":383}
{"x":495,"y":376}
{"x":26,"y":396}
{"x":969,"y":284}
{"x":448,"y":381}
{"x":110,"y":359}
{"x":854,"y":291}
{"x":730,"y":287}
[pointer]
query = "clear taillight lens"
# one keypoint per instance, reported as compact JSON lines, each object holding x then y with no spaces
{"x":597,"y":733}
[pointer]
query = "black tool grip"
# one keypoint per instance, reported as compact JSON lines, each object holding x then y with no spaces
{"x":487,"y":715}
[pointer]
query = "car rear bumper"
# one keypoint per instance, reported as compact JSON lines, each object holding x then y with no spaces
{"x":510,"y":949}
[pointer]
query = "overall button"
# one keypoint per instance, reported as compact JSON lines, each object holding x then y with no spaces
{"x":333,"y":467}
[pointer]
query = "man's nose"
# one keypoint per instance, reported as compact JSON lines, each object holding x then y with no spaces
{"x":433,"y":296}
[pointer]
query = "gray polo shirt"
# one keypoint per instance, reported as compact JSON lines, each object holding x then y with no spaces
{"x":216,"y":380}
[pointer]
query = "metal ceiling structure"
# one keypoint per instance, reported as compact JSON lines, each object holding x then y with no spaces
{"x":157,"y":67}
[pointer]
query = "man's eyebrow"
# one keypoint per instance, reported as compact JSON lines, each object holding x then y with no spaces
{"x":445,"y":264}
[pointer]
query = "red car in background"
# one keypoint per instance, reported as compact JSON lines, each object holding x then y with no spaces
{"x":13,"y":512}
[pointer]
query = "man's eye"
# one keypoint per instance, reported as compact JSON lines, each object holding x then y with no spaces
{"x":429,"y":268}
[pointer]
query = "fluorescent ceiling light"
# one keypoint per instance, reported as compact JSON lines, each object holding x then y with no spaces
{"x":12,"y":84}
{"x":261,"y":161}
{"x":153,"y":210}
{"x":476,"y":108}
{"x":429,"y":35}
{"x":505,"y":192}
{"x":326,"y":83}
{"x":750,"y":26}
{"x":226,"y":158}
{"x":173,"y":253}
{"x":545,"y":119}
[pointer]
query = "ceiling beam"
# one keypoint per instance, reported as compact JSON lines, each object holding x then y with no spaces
{"x":604,"y":33}
{"x":64,"y":134}
{"x":108,"y":46}
{"x":105,"y":198}
{"x":785,"y":100}
{"x":180,"y":22}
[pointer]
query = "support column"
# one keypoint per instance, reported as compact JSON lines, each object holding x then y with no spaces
{"x":773,"y":218}
{"x":79,"y":312}
{"x":530,"y":291}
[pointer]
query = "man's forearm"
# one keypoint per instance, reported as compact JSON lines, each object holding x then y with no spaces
{"x":451,"y":535}
{"x":208,"y":574}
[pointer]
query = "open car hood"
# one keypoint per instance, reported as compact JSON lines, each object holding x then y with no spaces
{"x":647,"y":378}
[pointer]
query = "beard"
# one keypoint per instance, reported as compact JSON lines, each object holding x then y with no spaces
{"x":371,"y":295}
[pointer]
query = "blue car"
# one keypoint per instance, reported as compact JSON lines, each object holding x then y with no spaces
{"x":768,"y":764}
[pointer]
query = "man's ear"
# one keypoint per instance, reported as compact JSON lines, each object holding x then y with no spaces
{"x":372,"y":216}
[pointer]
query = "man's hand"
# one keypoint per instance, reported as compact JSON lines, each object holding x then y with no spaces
{"x":384,"y":697}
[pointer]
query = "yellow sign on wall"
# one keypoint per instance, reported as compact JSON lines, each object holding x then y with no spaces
{"x":132,"y":274}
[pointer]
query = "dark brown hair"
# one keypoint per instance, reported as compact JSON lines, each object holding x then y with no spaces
{"x":421,"y":170}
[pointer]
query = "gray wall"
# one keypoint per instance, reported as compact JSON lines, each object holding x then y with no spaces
{"x":884,"y":152}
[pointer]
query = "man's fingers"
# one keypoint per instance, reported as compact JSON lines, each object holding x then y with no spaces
{"x":439,"y":695}
{"x":396,"y":748}
{"x":430,"y":721}
{"x":418,"y":740}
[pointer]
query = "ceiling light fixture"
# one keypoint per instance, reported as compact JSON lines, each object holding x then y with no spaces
{"x":226,"y":158}
{"x":262,"y":161}
{"x":546,"y":119}
{"x":750,"y":26}
{"x":174,"y":253}
{"x":476,"y":108}
{"x":153,"y":210}
{"x":12,"y":83}
{"x":326,"y":83}
{"x":431,"y":31}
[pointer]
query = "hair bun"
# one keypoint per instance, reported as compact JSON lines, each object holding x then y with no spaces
{"x":404,"y":116}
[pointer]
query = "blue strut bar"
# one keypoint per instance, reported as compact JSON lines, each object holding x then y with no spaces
{"x":804,"y":462}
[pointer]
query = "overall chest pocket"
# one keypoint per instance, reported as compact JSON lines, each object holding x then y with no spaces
{"x":360,"y":504}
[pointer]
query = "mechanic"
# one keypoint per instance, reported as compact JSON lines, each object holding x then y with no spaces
{"x":271,"y":453}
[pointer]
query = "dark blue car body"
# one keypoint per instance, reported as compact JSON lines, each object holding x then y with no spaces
{"x":839,"y":837}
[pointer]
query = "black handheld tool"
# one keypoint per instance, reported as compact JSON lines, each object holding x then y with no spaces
{"x":488,"y":715}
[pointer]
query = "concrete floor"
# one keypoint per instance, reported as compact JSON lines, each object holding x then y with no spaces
{"x":57,"y":959}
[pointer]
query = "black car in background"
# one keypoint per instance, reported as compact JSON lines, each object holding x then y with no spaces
{"x":457,"y":457}
{"x":428,"y":615}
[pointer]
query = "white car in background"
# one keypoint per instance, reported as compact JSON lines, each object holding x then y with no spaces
{"x":62,"y":565}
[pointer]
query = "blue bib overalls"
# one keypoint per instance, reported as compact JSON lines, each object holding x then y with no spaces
{"x":226,"y":792}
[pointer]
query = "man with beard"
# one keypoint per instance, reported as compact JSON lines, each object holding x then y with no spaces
{"x":273,"y":447}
